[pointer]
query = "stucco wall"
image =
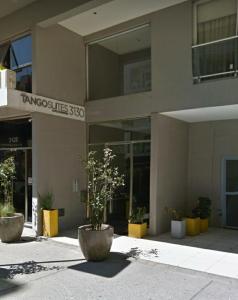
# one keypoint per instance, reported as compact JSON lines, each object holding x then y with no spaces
{"x":26,"y":18}
{"x":59,"y":69}
{"x":58,"y":145}
{"x":209,"y":143}
{"x":104,"y":72}
{"x":172,"y":158}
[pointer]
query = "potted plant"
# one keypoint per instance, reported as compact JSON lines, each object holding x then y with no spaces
{"x":11,"y":223}
{"x":203,"y":211}
{"x":137,"y":227}
{"x":104,"y":179}
{"x":50,"y":215}
{"x":178,"y":223}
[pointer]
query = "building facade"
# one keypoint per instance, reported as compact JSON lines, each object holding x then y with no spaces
{"x":158,"y":83}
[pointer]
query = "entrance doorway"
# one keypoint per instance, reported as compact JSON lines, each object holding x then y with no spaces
{"x":130,"y":141}
{"x":22,"y":184}
{"x":132,"y":160}
{"x":16,"y":142}
{"x":230,"y":192}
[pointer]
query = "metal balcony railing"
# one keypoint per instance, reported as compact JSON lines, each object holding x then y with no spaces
{"x":217,"y":59}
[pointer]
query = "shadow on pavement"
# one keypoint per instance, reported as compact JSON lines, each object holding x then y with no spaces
{"x":7,"y":287}
{"x":108,"y":268}
{"x":27,"y":239}
{"x":29,"y":267}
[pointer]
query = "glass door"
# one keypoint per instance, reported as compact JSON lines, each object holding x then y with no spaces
{"x":141,"y":176}
{"x":22,"y":193}
{"x":230,"y":205}
{"x":133,"y":160}
{"x":119,"y":207}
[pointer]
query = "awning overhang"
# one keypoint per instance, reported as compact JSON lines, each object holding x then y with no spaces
{"x":205,"y":114}
{"x":97,"y":15}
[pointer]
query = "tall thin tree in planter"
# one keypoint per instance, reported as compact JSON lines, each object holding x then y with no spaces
{"x":7,"y":175}
{"x":11,"y":223}
{"x":104,"y":179}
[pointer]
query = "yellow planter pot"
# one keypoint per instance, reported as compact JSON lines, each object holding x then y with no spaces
{"x":203,"y":225}
{"x":50,"y":222}
{"x":137,"y":230}
{"x":192,"y":226}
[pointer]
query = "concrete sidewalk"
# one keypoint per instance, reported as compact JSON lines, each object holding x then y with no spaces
{"x":172,"y":253}
{"x":45,"y":269}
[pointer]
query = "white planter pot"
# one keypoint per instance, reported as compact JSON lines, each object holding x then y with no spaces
{"x":178,"y":229}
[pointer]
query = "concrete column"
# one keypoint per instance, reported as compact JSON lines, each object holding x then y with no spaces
{"x":154,"y":169}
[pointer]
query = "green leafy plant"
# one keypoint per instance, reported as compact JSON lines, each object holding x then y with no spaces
{"x":6,"y":210}
{"x":7,"y":175}
{"x":203,"y":208}
{"x":137,"y":216}
{"x":174,"y":214}
{"x":2,"y":67}
{"x":46,"y":201}
{"x":103,"y":180}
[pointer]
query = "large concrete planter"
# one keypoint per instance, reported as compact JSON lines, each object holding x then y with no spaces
{"x":95,"y":244}
{"x":178,"y":229}
{"x":11,"y":228}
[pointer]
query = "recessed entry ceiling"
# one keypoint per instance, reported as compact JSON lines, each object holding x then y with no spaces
{"x":10,"y":113}
{"x":205,"y":114}
{"x":136,"y":125}
{"x":111,"y":13}
{"x":9,"y":6}
{"x":129,"y":42}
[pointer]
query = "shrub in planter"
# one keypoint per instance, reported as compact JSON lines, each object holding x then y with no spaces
{"x":203,"y":211}
{"x":50,"y":215}
{"x":104,"y":179}
{"x":178,"y":223}
{"x":137,"y":227}
{"x":11,"y":223}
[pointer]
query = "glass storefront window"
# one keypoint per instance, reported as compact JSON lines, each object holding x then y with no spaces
{"x":120,"y":65}
{"x":118,"y":131}
{"x":17,"y":56}
{"x":130,"y":142}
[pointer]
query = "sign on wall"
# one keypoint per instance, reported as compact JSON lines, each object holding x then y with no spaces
{"x":34,"y":103}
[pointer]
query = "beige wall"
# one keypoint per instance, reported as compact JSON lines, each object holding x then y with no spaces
{"x":59,"y":70}
{"x":104,"y":72}
{"x":26,"y":18}
{"x":58,"y":146}
{"x":171,"y":168}
{"x":209,"y":143}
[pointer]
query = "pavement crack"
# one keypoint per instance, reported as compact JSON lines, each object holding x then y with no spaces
{"x":202,"y":289}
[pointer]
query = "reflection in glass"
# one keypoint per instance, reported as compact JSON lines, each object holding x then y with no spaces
{"x":24,"y":79}
{"x":117,"y":131}
{"x":130,"y":142}
{"x":232,"y":176}
{"x":232,"y":210}
{"x":21,"y":52}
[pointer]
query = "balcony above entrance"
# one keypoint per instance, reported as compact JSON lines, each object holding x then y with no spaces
{"x":22,"y":102}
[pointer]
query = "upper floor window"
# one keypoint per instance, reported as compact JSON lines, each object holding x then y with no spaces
{"x":120,"y":64}
{"x":17,"y":56}
{"x":215,"y":39}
